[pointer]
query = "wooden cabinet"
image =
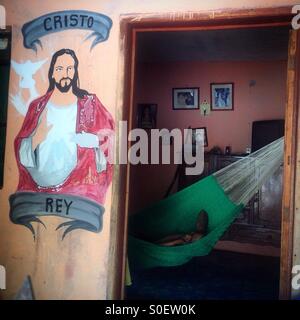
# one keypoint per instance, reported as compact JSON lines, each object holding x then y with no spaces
{"x":260,"y":221}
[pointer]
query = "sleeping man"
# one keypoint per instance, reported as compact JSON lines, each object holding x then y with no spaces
{"x":181,"y":239}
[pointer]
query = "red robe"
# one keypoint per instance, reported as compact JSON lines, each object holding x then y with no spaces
{"x":84,"y":180}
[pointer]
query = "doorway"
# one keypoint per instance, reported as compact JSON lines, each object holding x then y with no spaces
{"x":265,"y":18}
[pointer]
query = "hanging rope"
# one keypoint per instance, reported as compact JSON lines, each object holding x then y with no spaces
{"x":242,"y":179}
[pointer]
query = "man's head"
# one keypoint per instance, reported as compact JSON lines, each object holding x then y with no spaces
{"x":63,"y":72}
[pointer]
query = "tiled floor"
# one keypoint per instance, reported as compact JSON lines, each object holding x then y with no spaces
{"x":221,"y":275}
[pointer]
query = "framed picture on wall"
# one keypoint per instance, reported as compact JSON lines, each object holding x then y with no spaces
{"x":199,"y":135}
{"x":185,"y":98}
{"x":147,"y":115}
{"x":221,"y":96}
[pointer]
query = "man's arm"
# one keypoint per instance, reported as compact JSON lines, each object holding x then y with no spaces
{"x":41,"y":131}
{"x":105,"y":128}
{"x":101,"y":136}
{"x":28,"y":145}
{"x":26,"y":153}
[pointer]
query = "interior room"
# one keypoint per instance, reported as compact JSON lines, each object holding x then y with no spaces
{"x":247,"y":68}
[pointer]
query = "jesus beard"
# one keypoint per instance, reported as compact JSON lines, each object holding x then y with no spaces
{"x":63,"y":85}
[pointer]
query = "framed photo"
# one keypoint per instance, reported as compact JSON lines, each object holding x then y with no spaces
{"x":198,"y":135}
{"x":221,"y":96}
{"x":185,"y":98}
{"x":147,"y":115}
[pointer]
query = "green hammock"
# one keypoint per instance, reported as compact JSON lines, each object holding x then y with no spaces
{"x":222,"y":195}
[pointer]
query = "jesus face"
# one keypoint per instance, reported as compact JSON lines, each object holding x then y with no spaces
{"x":63,"y":72}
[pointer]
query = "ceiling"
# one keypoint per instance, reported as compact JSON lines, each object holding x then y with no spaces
{"x":214,"y":45}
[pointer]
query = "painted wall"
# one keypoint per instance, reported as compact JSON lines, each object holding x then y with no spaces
{"x":76,"y":268}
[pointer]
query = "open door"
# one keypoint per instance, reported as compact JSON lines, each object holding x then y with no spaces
{"x":129,"y":27}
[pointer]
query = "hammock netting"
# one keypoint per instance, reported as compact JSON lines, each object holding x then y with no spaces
{"x":223,"y":195}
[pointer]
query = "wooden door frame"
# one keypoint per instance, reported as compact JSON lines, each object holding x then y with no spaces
{"x":290,"y":166}
{"x":130,"y":25}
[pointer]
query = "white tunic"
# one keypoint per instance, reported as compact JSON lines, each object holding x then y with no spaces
{"x":56,"y":157}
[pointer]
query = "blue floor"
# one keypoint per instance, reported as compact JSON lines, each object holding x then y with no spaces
{"x":219,"y":276}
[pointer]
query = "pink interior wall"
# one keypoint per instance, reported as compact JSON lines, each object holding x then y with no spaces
{"x":264,"y":101}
